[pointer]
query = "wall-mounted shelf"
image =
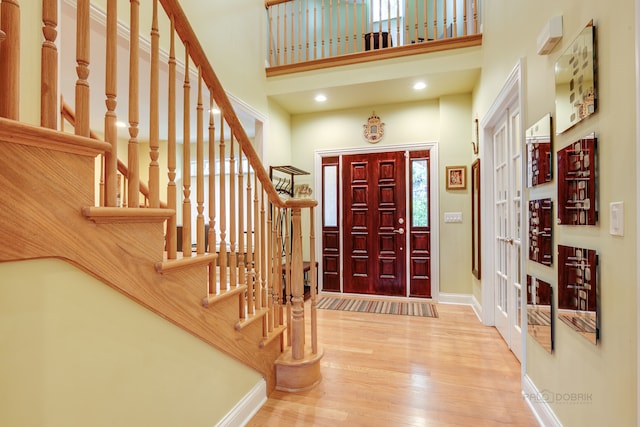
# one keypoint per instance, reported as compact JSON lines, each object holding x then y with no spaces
{"x":285,"y":185}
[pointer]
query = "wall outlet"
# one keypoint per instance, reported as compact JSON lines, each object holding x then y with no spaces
{"x":616,"y":218}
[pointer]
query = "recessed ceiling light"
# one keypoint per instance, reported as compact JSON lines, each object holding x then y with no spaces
{"x":419,"y":85}
{"x":320,"y":98}
{"x":120,"y":124}
{"x":215,"y":111}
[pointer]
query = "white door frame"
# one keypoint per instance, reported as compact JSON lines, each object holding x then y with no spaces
{"x":434,"y":197}
{"x":511,"y":92}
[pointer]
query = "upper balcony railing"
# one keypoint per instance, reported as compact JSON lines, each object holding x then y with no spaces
{"x":306,"y":34}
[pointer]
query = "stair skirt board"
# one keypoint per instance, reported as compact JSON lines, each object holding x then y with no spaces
{"x":246,"y":408}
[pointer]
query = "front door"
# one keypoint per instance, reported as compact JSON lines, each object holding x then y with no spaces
{"x":374,"y":200}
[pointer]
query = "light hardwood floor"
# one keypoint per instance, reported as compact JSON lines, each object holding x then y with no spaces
{"x":388,"y":370}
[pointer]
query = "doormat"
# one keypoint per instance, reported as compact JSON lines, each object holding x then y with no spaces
{"x":422,"y":309}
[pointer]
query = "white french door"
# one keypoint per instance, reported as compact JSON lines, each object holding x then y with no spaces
{"x":507,"y":162}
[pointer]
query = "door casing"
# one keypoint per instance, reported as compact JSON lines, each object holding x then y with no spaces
{"x":434,"y":208}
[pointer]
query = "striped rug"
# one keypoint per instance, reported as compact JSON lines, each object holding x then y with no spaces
{"x":421,"y":309}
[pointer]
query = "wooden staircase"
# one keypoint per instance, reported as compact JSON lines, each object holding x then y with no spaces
{"x":228,"y":294}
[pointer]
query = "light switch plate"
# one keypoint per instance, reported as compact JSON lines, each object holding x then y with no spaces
{"x":616,"y":218}
{"x":453,"y":217}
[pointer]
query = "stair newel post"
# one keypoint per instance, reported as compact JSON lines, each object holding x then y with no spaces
{"x":212,"y":193}
{"x":82,"y":69}
{"x":171,"y":148}
{"x":49,"y":67}
{"x":110,"y":117}
{"x":222,"y":257}
{"x":312,"y":281}
{"x":200,"y":249}
{"x":186,"y":158}
{"x":154,"y":115}
{"x":10,"y":63}
{"x":133,"y":148}
{"x":297,"y":309}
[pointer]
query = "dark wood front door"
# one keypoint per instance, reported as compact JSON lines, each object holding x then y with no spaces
{"x":374,"y":200}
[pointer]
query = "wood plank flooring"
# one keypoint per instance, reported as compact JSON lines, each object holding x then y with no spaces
{"x":388,"y":370}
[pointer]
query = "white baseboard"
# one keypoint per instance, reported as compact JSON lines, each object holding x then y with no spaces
{"x":538,"y":401}
{"x":460,"y":299}
{"x":476,"y":307}
{"x":246,"y":408}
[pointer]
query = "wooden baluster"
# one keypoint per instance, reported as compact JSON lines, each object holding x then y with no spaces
{"x":346,"y":27}
{"x":278,"y":53}
{"x":364,"y":28}
{"x":379,"y":34}
{"x":82,"y":60}
{"x":307,"y":30}
{"x":465,"y":6}
{"x":272,"y":59}
{"x":3,"y":35}
{"x":200,"y":249}
{"x":271,"y":278}
{"x":454,"y":31}
{"x":435,"y":20}
{"x":315,"y":30}
{"x":293,"y":28}
{"x":355,"y":26}
{"x":249,"y":247}
{"x":241,"y":229}
{"x":313,"y":281}
{"x":330,"y":28}
{"x":212,"y":193}
{"x":338,"y":31}
{"x":10,"y":64}
{"x":261,"y":265}
{"x":389,"y":23}
{"x":287,"y":257}
{"x":416,"y":34}
{"x":133,"y":149}
{"x":299,"y":31}
{"x":110,"y":117}
{"x":398,"y":24}
{"x":186,"y":159}
{"x":255,"y":245}
{"x":425,"y":21}
{"x":444,"y":20}
{"x":322,"y":29}
{"x":49,"y":67}
{"x":154,"y":115}
{"x":296,"y":318}
{"x":172,"y":238}
{"x":222,"y":257}
{"x":233,"y":262}
{"x":475,"y":16}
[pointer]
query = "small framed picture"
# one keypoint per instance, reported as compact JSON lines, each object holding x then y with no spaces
{"x":456,"y":177}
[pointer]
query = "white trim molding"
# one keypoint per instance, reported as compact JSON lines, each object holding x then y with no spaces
{"x":247,"y":407}
{"x":538,"y":401}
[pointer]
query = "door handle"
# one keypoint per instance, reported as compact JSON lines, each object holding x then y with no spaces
{"x":399,"y":231}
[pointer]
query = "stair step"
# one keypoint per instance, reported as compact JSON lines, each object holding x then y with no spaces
{"x":181,"y":262}
{"x":259,"y":314}
{"x":102,"y":215}
{"x":211,"y":299}
{"x":277,"y":332}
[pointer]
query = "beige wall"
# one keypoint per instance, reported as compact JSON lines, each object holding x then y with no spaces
{"x":606,"y":371}
{"x":445,"y":122}
{"x":77,"y":353}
